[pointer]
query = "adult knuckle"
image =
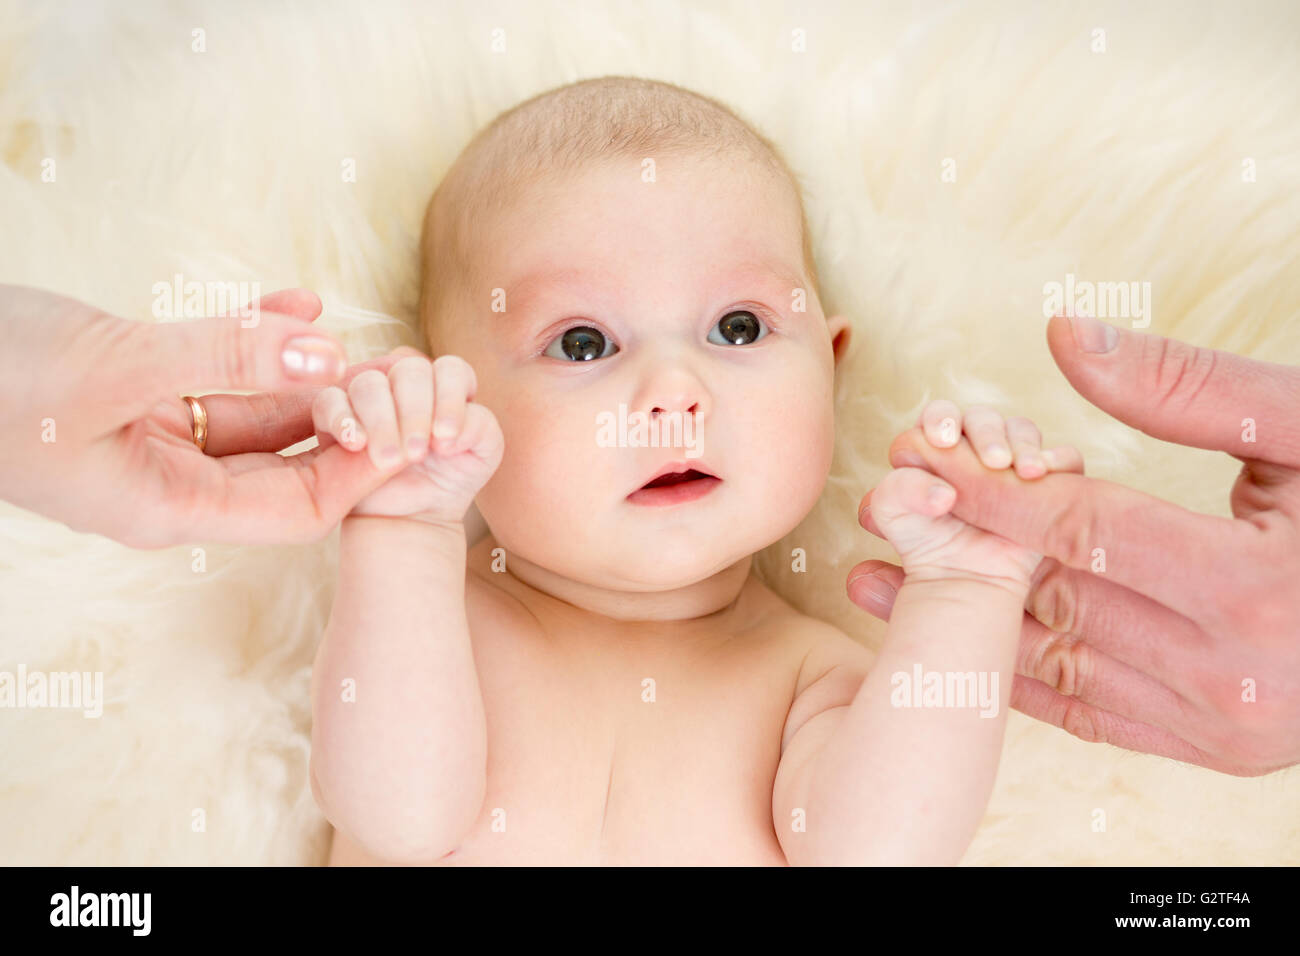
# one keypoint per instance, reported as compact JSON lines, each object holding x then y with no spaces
{"x":1074,"y":532}
{"x":1175,"y":373}
{"x":1062,"y":662}
{"x":1083,"y":721}
{"x":1054,"y":600}
{"x":236,"y":357}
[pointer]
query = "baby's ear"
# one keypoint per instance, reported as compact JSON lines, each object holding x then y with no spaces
{"x":841,"y":335}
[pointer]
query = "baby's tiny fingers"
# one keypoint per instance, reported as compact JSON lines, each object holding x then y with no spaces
{"x":988,"y":436}
{"x":372,"y":398}
{"x":1026,"y":447}
{"x":865,"y":518}
{"x":1064,"y":458}
{"x":910,"y":491}
{"x":412,"y":384}
{"x":332,"y":415}
{"x":454,"y":384}
{"x":941,"y":422}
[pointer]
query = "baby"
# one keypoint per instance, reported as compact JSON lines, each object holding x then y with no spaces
{"x":603,"y":679}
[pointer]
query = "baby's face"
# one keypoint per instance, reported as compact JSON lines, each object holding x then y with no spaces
{"x":680,"y":299}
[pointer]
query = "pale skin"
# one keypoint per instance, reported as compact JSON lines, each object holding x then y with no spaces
{"x":93,"y":431}
{"x":603,"y":682}
{"x":1186,"y":644}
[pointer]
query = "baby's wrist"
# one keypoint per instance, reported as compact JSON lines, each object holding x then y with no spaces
{"x":962,"y":583}
{"x":419,"y":519}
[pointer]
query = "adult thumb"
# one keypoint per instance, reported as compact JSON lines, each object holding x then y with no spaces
{"x":263,"y":351}
{"x":1180,"y":393}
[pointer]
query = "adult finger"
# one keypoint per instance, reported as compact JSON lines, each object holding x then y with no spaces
{"x":865,"y":518}
{"x":272,"y":421}
{"x":873,"y":585}
{"x":1094,"y":725}
{"x":309,"y":495}
{"x":1069,"y":608}
{"x":1080,"y":521}
{"x":1077,"y":669}
{"x":1073,"y":617}
{"x":299,"y":303}
{"x":1180,"y":393}
{"x":154,"y":362}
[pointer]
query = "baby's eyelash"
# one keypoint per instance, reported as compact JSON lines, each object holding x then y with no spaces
{"x":773,"y":321}
{"x":550,"y":335}
{"x":767,"y":315}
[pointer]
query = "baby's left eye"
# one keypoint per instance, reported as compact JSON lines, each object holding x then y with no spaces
{"x":738,"y":328}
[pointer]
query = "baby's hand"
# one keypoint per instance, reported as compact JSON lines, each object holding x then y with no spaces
{"x":998,"y":442}
{"x":395,"y":416}
{"x":910,"y":507}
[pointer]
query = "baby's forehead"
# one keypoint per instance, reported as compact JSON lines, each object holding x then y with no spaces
{"x":530,"y":283}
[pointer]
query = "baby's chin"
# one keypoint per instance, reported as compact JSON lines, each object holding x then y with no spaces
{"x":665,"y":561}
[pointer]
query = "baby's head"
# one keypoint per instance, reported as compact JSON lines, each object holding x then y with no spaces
{"x":624,"y":251}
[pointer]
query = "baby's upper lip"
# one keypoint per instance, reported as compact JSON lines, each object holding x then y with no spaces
{"x":677,"y":466}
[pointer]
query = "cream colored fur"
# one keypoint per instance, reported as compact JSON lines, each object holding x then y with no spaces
{"x":226,"y":164}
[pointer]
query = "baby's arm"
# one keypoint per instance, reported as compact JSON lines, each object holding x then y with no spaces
{"x":892,"y":778}
{"x":399,"y":743}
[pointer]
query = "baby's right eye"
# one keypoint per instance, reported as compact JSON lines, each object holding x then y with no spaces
{"x":580,"y":344}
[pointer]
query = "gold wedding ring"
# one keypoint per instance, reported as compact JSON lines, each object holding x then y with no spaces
{"x":199,"y":416}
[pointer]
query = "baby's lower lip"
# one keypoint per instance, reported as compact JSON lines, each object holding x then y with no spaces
{"x":676,"y":494}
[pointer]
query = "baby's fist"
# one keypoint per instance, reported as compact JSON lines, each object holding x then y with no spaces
{"x":419,"y":423}
{"x":911,"y":508}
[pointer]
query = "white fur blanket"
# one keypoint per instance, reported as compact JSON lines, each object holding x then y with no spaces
{"x":957,"y":157}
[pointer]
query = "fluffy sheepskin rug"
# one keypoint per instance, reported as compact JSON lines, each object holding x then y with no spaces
{"x":957,"y":157}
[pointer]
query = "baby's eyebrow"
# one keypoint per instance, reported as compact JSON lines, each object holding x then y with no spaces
{"x":534,"y":284}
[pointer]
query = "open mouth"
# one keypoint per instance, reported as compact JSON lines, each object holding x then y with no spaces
{"x":676,"y":478}
{"x":675,"y":484}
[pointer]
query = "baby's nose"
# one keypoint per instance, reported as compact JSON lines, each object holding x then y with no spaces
{"x":692,"y":409}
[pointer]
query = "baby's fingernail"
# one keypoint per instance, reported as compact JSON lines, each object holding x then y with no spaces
{"x":416,"y":447}
{"x":998,"y":456}
{"x":1048,"y":459}
{"x":444,"y":428}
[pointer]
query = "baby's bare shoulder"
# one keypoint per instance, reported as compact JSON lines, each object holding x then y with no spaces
{"x":828,"y":649}
{"x":831,"y":671}
{"x":818,"y":647}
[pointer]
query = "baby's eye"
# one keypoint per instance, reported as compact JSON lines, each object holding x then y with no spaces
{"x":580,"y":344}
{"x":738,"y":328}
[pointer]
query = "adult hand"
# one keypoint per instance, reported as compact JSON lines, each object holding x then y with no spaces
{"x":1151,"y":627}
{"x":93,"y":431}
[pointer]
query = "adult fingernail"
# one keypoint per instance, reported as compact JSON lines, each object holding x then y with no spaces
{"x":311,"y":357}
{"x":871,"y":590}
{"x":1091,"y":335}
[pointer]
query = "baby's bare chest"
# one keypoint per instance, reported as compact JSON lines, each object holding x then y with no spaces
{"x":637,"y":756}
{"x":681,"y":770}
{"x":626,"y":752}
